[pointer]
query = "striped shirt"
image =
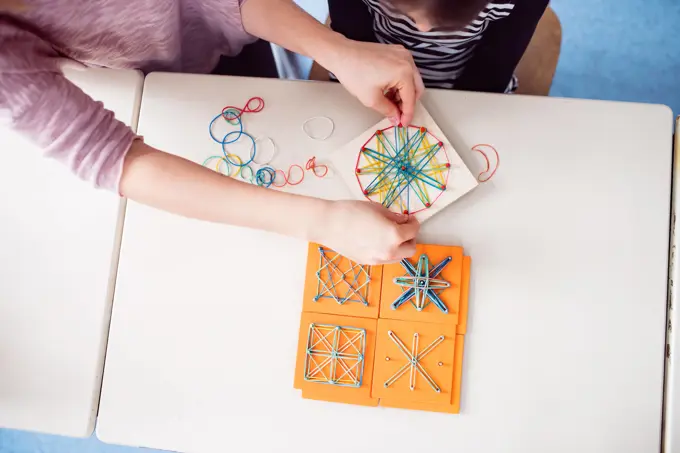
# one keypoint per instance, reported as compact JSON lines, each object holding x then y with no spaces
{"x":440,"y":55}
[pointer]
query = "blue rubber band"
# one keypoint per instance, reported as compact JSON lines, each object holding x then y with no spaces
{"x":261,"y":178}
{"x":252,"y":153}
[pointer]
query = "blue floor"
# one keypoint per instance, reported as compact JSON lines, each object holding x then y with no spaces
{"x":626,"y":50}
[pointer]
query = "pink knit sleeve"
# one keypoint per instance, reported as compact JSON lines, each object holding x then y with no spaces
{"x":59,"y":117}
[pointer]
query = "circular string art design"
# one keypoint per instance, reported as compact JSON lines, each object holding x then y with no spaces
{"x":405,"y":168}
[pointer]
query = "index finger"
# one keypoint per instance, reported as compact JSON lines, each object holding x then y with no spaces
{"x":407,"y":93}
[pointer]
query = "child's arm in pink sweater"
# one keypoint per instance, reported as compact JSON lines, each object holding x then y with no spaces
{"x":63,"y":121}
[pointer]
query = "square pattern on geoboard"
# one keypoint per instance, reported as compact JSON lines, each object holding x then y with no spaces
{"x":357,"y":346}
{"x":335,"y":358}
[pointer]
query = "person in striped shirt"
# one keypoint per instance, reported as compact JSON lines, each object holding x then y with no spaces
{"x":456,"y":44}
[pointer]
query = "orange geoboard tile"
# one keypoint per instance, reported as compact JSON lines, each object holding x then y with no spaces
{"x":336,"y":343}
{"x":461,"y":328}
{"x":452,"y":407}
{"x":433,"y":348}
{"x":452,"y":273}
{"x":336,"y":285}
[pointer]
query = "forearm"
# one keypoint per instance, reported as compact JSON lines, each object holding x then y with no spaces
{"x":282,"y":22}
{"x":176,"y":185}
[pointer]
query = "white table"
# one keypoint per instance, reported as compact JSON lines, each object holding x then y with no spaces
{"x":59,"y":240}
{"x":565,"y":343}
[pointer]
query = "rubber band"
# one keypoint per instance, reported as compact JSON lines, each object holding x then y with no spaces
{"x":253,"y":148}
{"x":243,"y":176}
{"x":405,"y":168}
{"x":219,"y":166}
{"x":220,"y":159}
{"x":322,"y":138}
{"x":302,"y":175}
{"x":232,"y":115}
{"x":261,"y":176}
{"x":488,"y":164}
{"x":212,"y":122}
{"x":205,"y":162}
{"x":312,"y":166}
{"x":285,"y":180}
{"x":274,"y":151}
{"x":259,"y":105}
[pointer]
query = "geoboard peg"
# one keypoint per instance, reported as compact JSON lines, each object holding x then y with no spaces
{"x":400,"y":125}
{"x":427,"y":205}
{"x":423,"y":129}
{"x":448,"y":165}
{"x":440,"y":363}
{"x":443,"y":186}
{"x":406,"y":211}
{"x":378,"y":132}
{"x":358,"y":170}
{"x":440,"y":143}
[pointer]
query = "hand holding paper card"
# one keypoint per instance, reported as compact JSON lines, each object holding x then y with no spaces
{"x":409,"y":169}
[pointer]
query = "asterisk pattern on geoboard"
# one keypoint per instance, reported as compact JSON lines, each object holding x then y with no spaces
{"x":420,"y":285}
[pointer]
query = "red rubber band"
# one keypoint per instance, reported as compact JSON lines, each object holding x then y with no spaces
{"x":246,"y":109}
{"x":301,"y":177}
{"x":311,"y":165}
{"x":286,"y":177}
{"x":285,"y":180}
{"x":488,"y":163}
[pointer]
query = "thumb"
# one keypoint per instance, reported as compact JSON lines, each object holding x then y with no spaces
{"x":395,"y":217}
{"x":405,"y":250}
{"x":409,"y":230}
{"x":386,"y":107}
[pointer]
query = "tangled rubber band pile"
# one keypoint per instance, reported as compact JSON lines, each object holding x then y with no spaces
{"x":266,"y":175}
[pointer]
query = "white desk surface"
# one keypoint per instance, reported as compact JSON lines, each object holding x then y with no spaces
{"x":56,"y":250}
{"x":565,"y":344}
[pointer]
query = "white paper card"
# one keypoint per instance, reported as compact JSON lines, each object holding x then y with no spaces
{"x":459,"y":182}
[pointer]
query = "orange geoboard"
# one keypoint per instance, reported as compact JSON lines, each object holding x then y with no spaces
{"x":388,"y":335}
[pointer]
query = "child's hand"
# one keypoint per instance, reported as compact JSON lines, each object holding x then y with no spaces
{"x":371,"y":71}
{"x":367,"y":232}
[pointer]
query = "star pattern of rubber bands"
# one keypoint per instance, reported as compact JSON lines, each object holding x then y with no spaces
{"x":405,"y":168}
{"x":421,"y":285}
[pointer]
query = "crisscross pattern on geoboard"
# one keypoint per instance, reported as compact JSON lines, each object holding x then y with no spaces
{"x":341,"y":283}
{"x":335,"y":355}
{"x":398,"y":344}
{"x":405,"y":167}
